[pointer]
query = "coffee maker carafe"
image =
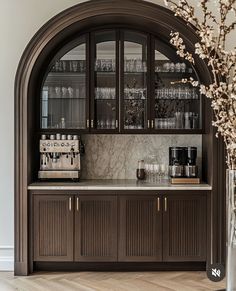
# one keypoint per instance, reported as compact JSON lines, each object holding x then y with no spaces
{"x":190,"y":168}
{"x":176,"y":162}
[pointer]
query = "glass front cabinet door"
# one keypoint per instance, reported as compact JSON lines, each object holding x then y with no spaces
{"x":134,"y":81}
{"x":177,"y":105}
{"x":104,"y":81}
{"x":64,"y":90}
{"x":120,"y":80}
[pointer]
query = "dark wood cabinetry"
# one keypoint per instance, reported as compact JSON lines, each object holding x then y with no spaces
{"x":119,"y":227}
{"x":140,"y":229}
{"x":96,"y":228}
{"x":53,"y":228}
{"x":184,"y":228}
{"x":72,"y":96}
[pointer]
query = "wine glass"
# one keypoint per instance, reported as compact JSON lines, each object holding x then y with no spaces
{"x":156,"y":171}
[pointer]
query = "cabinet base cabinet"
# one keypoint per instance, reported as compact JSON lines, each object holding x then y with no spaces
{"x":53,"y":228}
{"x":96,"y":228}
{"x":184,"y":228}
{"x":119,"y":229}
{"x":140,"y":229}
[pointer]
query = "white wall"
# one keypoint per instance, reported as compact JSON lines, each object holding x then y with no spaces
{"x":19,"y":21}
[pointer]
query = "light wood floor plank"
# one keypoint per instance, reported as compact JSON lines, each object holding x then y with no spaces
{"x":109,"y":281}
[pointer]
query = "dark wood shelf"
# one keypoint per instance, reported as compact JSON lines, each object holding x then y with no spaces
{"x":135,"y":99}
{"x":66,"y":74}
{"x":172,"y":75}
{"x":105,"y":99}
{"x":177,"y":99}
{"x":64,"y":98}
{"x":105,"y":72}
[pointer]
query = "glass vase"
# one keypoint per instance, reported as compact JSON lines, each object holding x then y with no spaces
{"x":231,"y":229}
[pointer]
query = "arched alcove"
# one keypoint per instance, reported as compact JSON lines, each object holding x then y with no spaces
{"x":46,"y":43}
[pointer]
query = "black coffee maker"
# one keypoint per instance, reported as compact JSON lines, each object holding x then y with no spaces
{"x":176,"y":162}
{"x":190,"y":168}
{"x":182,"y":162}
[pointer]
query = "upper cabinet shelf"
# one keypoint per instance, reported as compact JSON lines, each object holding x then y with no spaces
{"x":119,"y":81}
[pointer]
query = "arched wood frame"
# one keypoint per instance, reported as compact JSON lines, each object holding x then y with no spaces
{"x":43,"y":46}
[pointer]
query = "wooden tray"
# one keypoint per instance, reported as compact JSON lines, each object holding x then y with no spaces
{"x":185,"y":180}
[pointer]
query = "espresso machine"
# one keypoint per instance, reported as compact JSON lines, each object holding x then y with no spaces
{"x":182,"y":162}
{"x":59,"y":157}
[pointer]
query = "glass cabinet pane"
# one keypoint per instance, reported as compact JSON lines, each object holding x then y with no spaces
{"x":135,"y":80}
{"x":63,"y":98}
{"x":177,"y":105}
{"x":105,"y":89}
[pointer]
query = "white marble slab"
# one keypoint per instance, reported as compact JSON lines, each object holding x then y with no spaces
{"x":116,"y":156}
{"x":115,"y":185}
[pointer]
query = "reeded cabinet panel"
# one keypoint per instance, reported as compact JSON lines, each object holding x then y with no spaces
{"x":140,"y":229}
{"x":184,"y":228}
{"x":96,"y":228}
{"x":53,"y":228}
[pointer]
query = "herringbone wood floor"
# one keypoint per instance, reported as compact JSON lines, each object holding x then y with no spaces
{"x":112,"y":281}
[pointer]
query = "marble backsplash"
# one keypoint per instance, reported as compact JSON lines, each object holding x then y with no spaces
{"x":116,"y":156}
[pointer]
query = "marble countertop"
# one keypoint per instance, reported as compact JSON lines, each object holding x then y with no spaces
{"x":116,"y":185}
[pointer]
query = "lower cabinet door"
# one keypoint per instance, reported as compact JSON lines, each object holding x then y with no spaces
{"x":53,"y":227}
{"x":96,"y":228}
{"x":140,"y":229}
{"x":184,"y":227}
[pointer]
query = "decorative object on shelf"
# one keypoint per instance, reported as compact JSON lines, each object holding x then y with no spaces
{"x":214,"y":31}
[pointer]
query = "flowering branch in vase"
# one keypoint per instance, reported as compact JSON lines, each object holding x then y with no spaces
{"x":213,"y":31}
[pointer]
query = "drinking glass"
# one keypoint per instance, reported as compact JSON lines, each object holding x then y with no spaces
{"x":71,"y":92}
{"x":108,"y":124}
{"x":156,"y":172}
{"x":74,"y":66}
{"x":113,"y":124}
{"x":102,"y":124}
{"x":162,"y":171}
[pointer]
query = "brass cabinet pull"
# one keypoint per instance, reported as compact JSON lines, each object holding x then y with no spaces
{"x":152,"y":124}
{"x":77,"y":203}
{"x":70,"y":204}
{"x":117,"y":123}
{"x":165,"y":202}
{"x":91,"y":123}
{"x":87,"y":123}
{"x":158,"y":204}
{"x":148,"y":123}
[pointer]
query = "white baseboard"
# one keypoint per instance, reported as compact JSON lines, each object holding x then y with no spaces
{"x":6,"y":258}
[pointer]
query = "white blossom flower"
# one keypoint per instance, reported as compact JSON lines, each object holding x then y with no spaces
{"x":213,"y":32}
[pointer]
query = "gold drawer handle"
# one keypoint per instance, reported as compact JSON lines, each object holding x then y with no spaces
{"x":165,"y":202}
{"x":158,"y":204}
{"x":77,"y":203}
{"x":152,"y":124}
{"x":70,"y":204}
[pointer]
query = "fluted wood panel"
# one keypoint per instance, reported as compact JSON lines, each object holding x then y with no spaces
{"x":140,"y":229}
{"x":53,"y":228}
{"x":96,"y":236}
{"x":185,"y":228}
